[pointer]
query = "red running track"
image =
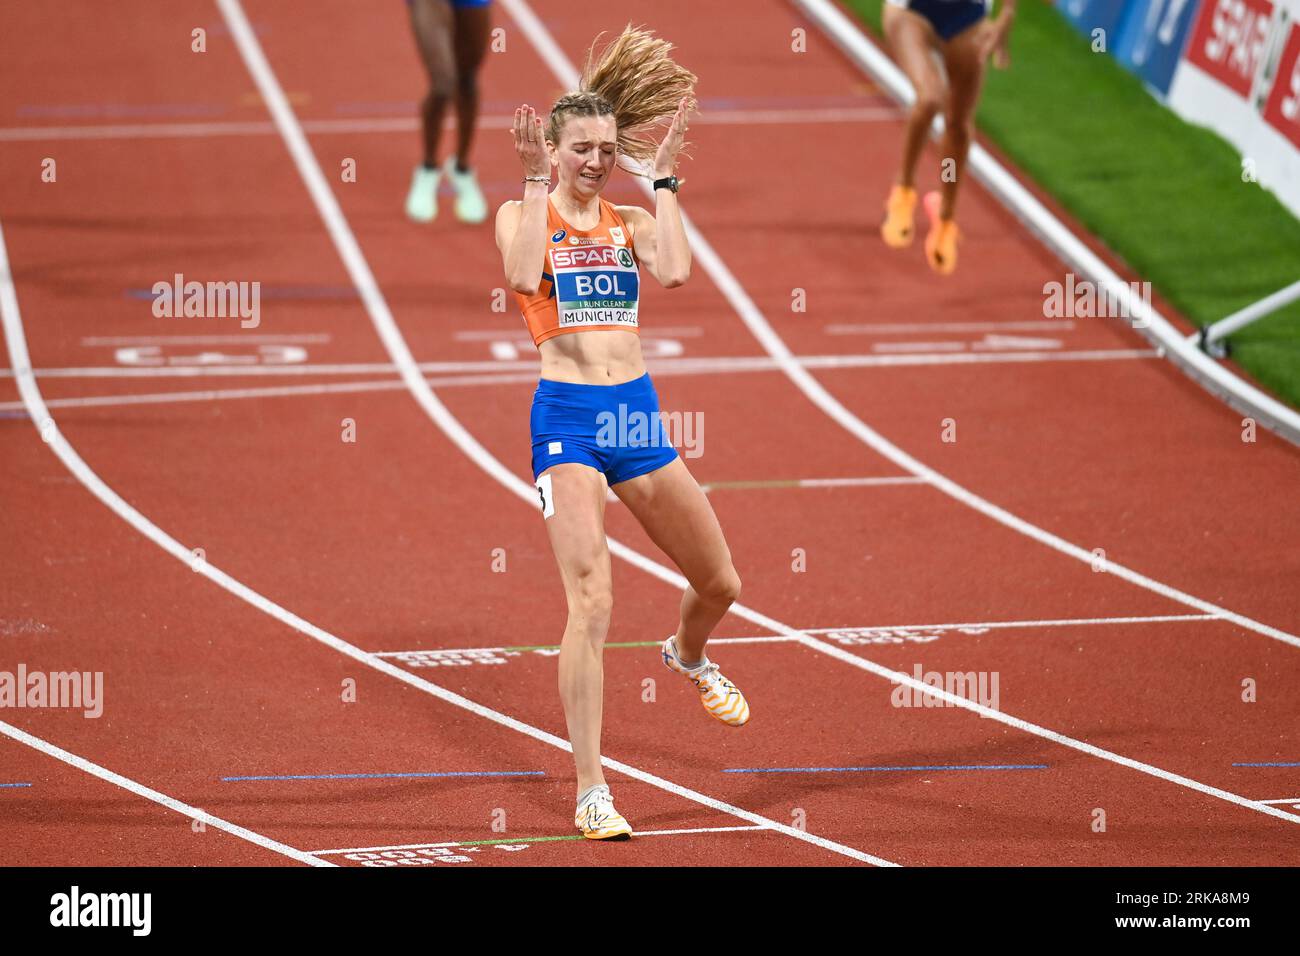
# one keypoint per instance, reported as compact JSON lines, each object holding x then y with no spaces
{"x":389,"y":543}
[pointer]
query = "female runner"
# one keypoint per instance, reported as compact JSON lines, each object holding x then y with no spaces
{"x":574,"y":261}
{"x":960,"y":33}
{"x":452,"y":36}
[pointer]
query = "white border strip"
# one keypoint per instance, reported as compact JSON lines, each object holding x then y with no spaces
{"x":140,"y":790}
{"x":1215,"y":378}
{"x":386,"y":327}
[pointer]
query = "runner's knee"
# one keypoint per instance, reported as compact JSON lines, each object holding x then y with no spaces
{"x":591,"y":602}
{"x":467,"y":83}
{"x":960,"y":130}
{"x":722,"y":588}
{"x":442,"y":86}
{"x":929,"y":101}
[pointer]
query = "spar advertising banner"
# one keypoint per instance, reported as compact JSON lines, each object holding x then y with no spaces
{"x":1238,"y":76}
{"x":1230,"y":65}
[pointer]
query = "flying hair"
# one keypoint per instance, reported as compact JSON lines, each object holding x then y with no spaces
{"x":635,"y":80}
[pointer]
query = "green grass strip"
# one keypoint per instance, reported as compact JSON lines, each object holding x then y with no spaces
{"x":1166,"y":196}
{"x":549,"y":839}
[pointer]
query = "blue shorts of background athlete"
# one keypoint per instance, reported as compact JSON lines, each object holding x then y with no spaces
{"x":950,"y":17}
{"x":615,"y":429}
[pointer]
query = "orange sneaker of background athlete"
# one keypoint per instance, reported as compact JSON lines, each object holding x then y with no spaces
{"x":900,"y":209}
{"x":941,"y":240}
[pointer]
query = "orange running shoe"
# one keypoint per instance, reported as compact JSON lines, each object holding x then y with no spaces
{"x":597,"y":818}
{"x":900,"y":210}
{"x":720,"y":697}
{"x":941,"y":241}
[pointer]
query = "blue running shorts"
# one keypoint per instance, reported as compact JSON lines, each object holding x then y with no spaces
{"x":948,"y":17}
{"x":615,"y":429}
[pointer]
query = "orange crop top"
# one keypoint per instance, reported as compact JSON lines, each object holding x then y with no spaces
{"x":590,"y":279}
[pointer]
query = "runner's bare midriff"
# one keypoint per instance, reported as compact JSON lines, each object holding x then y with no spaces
{"x":593,"y":357}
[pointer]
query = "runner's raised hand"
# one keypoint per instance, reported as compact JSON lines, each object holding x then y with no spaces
{"x":530,"y":142}
{"x":666,"y":157}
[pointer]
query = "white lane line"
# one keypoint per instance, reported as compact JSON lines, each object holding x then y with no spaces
{"x":810,"y":483}
{"x":210,"y":395}
{"x":139,"y":789}
{"x":568,"y":76}
{"x":994,"y":625}
{"x":775,"y":346}
{"x":898,"y":347}
{"x":532,"y":841}
{"x":853,"y":482}
{"x":426,"y":651}
{"x":962,"y":358}
{"x":848,"y":114}
{"x":1295,"y":800}
{"x":660,"y":332}
{"x":320,"y":338}
{"x":213,"y":395}
{"x":661,"y":366}
{"x":927,"y":328}
{"x":214,"y":370}
{"x":409,"y":124}
{"x":885,"y":629}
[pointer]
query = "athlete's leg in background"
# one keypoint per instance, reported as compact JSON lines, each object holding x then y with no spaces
{"x":912,"y":41}
{"x":433,"y":24}
{"x":679,"y":519}
{"x":472,"y":30}
{"x":965,"y":59}
{"x":577,"y":533}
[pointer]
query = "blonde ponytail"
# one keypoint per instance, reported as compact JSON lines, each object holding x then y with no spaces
{"x":635,"y":80}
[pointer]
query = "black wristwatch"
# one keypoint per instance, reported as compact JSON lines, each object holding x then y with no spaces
{"x":668,"y":182}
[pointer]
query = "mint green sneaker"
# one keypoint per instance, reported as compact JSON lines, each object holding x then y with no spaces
{"x":422,"y":200}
